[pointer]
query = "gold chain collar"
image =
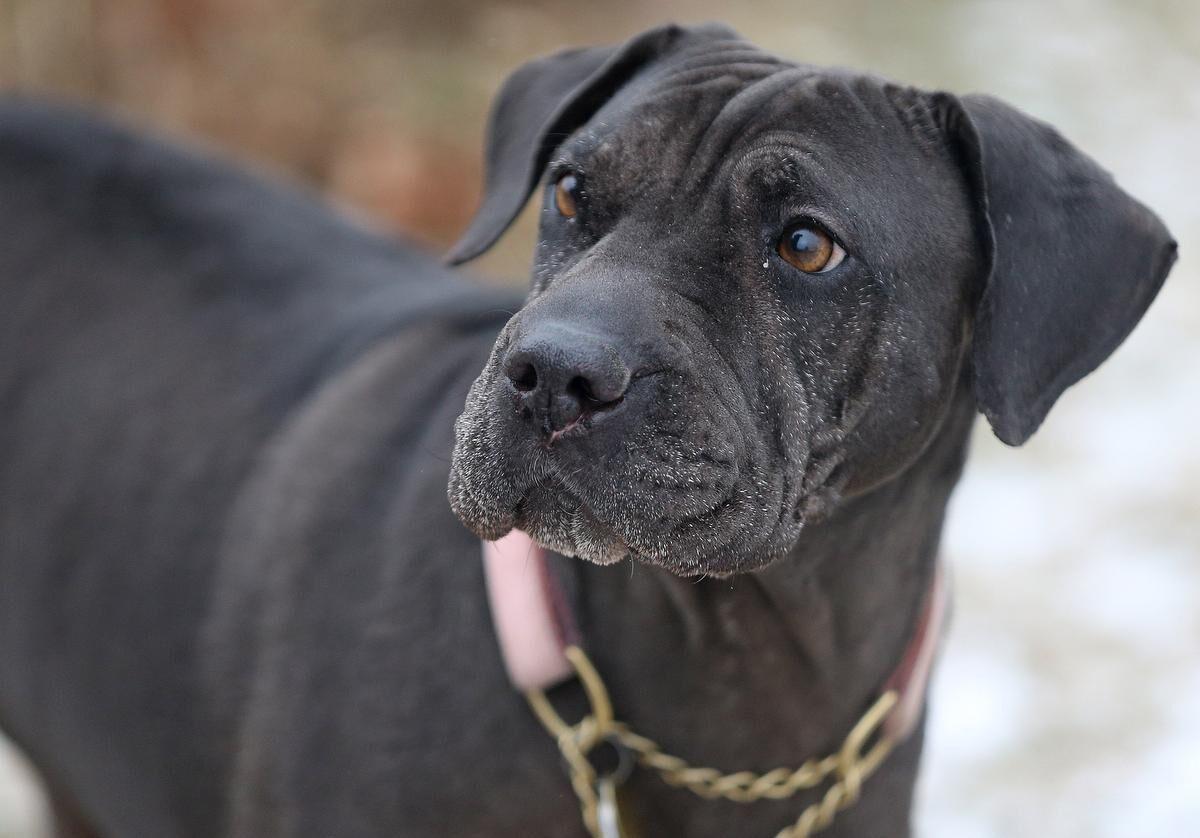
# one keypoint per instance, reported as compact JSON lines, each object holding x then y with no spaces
{"x":846,"y":770}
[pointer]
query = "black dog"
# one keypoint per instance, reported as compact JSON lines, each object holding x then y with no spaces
{"x":767,"y":302}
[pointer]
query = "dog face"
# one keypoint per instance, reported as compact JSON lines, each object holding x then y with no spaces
{"x":758,"y":286}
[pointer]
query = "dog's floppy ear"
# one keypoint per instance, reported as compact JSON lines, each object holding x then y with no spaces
{"x":537,"y":109}
{"x":1074,"y":261}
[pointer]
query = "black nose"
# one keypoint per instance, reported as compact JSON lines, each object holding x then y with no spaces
{"x":563,"y":375}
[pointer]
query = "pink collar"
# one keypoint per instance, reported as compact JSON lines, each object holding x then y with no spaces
{"x":534,"y":624}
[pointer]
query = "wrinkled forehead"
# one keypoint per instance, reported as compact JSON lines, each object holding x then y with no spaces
{"x":737,"y":111}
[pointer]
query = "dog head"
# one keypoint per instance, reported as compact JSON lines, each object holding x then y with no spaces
{"x":759,"y":285}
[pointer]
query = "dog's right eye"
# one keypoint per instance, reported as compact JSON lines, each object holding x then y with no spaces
{"x":809,"y":248}
{"x":566,"y":195}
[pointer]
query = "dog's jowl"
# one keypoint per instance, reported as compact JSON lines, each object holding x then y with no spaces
{"x":768,"y":301}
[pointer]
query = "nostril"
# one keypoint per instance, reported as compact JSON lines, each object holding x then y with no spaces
{"x":583,"y":391}
{"x":524,"y":377}
{"x":580,"y":389}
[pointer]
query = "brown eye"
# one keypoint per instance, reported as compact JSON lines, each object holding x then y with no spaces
{"x":566,"y":195}
{"x":810,"y":249}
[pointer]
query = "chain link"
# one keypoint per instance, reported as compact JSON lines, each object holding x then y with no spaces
{"x":846,"y":770}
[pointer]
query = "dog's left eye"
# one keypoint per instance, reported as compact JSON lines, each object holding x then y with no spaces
{"x":807,"y":247}
{"x":566,"y":195}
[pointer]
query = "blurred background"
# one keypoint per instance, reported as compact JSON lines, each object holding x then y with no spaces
{"x":1067,"y":702}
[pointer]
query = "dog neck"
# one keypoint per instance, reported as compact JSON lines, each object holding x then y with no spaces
{"x":775,"y":666}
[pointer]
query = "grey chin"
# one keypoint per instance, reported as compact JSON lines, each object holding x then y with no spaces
{"x":589,"y":550}
{"x":577,"y":534}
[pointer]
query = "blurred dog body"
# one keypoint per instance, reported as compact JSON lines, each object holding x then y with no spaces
{"x":206,"y":379}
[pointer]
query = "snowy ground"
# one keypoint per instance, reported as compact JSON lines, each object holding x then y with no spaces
{"x":1066,"y":703}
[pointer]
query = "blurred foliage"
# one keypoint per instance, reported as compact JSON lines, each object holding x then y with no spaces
{"x":350,"y":96}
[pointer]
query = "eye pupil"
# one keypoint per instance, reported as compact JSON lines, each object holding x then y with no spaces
{"x":805,"y":241}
